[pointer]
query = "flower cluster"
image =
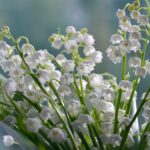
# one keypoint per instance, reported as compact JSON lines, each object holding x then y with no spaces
{"x":60,"y":103}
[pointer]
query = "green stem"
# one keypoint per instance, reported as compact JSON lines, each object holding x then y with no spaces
{"x":116,"y":122}
{"x":124,"y":66}
{"x":61,"y":102}
{"x":135,"y":84}
{"x":142,"y":143}
{"x":123,"y":141}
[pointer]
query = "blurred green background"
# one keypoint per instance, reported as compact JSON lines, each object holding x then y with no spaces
{"x":37,"y":19}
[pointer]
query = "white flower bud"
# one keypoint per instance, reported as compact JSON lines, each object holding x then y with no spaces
{"x":16,"y":60}
{"x":88,"y":50}
{"x":5,"y":49}
{"x":126,"y":46}
{"x":120,"y":13}
{"x":135,"y":36}
{"x":45,"y":113}
{"x":64,"y":90}
{"x":135,"y":14}
{"x":125,"y":84}
{"x":114,"y":54}
{"x":147,"y":66}
{"x":68,"y":66}
{"x":27,"y":49}
{"x":135,"y":45}
{"x":71,"y":46}
{"x":107,"y":127}
{"x":113,"y":139}
{"x":10,"y":86}
{"x":134,"y":62}
{"x":88,"y":39}
{"x":135,"y":28}
{"x":70,"y":29}
{"x":85,"y":68}
{"x":73,"y":107}
{"x":143,"y":20}
{"x":60,"y":59}
{"x":139,"y":71}
{"x":56,"y":41}
{"x":66,"y":79}
{"x":116,"y":39}
{"x":85,"y":118}
{"x":8,"y":140}
{"x":33,"y":124}
{"x":57,"y":135}
{"x":96,"y":57}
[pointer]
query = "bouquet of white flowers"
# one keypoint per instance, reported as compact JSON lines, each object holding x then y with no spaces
{"x":58,"y":103}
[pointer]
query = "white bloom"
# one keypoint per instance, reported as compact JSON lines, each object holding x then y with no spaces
{"x":32,"y":113}
{"x":120,"y":13}
{"x":56,"y":41}
{"x":49,"y":66}
{"x":143,"y":20}
{"x":70,"y":29}
{"x":126,"y":95}
{"x":107,"y":127}
{"x":43,"y":76}
{"x":57,"y":135}
{"x":135,"y":28}
{"x":33,"y":124}
{"x":108,"y":94}
{"x":84,"y":84}
{"x":16,"y":72}
{"x":71,"y":46}
{"x":114,"y":54}
{"x":60,"y":59}
{"x":113,"y":139}
{"x":88,"y":50}
{"x":10,"y":86}
{"x":139,"y":71}
{"x":147,"y":65}
{"x":5,"y":49}
{"x":16,"y":60}
{"x":8,"y":65}
{"x":88,"y":39}
{"x":125,"y":24}
{"x":130,"y":141}
{"x":146,"y":112}
{"x":55,"y":75}
{"x":135,"y":36}
{"x":64,"y":90}
{"x":125,"y":46}
{"x":77,"y":36}
{"x":27,"y":49}
{"x":108,"y":116}
{"x":125,"y":84}
{"x":134,"y":62}
{"x":116,"y":39}
{"x":104,"y":106}
{"x":73,"y":107}
{"x":85,"y":118}
{"x":45,"y":113}
{"x":85,"y":68}
{"x":135,"y":45}
{"x":8,"y":140}
{"x":135,"y":14}
{"x":68,"y":66}
{"x":66,"y":79}
{"x":96,"y":57}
